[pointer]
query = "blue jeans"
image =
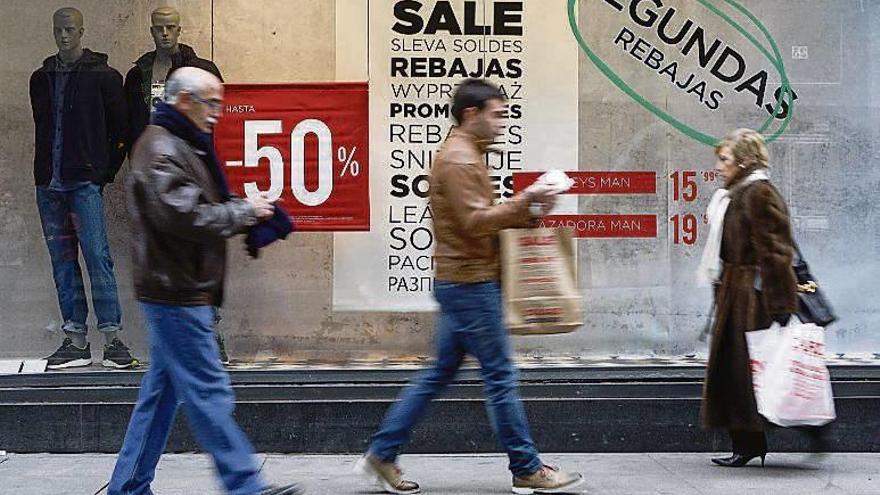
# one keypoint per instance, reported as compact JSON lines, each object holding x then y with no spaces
{"x":184,"y":368}
{"x":470,"y":322}
{"x":73,"y":220}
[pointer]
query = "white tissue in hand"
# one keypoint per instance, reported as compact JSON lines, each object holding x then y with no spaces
{"x":557,"y":180}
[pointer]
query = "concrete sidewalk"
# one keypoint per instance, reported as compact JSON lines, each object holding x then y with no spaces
{"x":613,"y":474}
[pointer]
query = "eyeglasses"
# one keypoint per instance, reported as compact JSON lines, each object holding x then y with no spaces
{"x":213,"y":103}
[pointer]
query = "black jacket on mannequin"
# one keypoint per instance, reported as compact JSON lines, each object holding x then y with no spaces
{"x":140,"y":77}
{"x":95,"y":123}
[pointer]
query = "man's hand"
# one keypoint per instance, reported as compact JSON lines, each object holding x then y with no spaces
{"x":541,"y":195}
{"x":262,"y":206}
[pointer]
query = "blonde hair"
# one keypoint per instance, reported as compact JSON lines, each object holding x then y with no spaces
{"x":747,"y":147}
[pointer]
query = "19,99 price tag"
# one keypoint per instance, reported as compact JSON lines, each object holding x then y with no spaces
{"x":306,"y":145}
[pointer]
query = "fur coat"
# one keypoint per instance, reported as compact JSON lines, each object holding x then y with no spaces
{"x":757,"y":242}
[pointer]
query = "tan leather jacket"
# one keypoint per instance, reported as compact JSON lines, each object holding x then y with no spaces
{"x":466,"y":220}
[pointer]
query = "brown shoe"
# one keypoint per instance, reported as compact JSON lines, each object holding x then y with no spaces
{"x":548,"y":479}
{"x":387,"y":474}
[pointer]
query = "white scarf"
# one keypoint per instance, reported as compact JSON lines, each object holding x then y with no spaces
{"x":709,"y":270}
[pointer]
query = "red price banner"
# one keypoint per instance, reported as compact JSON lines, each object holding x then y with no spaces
{"x":305,"y":144}
{"x":598,"y":182}
{"x":605,"y":226}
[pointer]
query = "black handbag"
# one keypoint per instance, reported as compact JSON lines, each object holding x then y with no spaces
{"x":813,"y":306}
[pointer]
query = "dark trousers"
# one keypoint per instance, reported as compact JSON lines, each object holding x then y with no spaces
{"x":748,"y":442}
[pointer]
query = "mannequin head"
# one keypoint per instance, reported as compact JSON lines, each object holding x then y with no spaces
{"x":165,"y":28}
{"x":67,"y":27}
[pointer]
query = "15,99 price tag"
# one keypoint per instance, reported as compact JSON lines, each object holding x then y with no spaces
{"x":306,"y":145}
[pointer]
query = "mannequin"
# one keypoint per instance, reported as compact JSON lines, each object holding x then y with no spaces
{"x":145,"y":82}
{"x":80,"y":125}
{"x":166,"y":31}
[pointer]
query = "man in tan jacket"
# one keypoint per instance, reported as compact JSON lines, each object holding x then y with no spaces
{"x":466,"y":225}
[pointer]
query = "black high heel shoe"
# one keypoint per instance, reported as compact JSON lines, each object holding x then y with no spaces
{"x":738,"y":460}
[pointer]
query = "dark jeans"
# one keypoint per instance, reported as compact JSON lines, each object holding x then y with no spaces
{"x":72,"y":221}
{"x":470,"y":322}
{"x":184,"y":368}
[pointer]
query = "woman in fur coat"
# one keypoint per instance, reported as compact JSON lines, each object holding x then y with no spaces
{"x":747,"y":260}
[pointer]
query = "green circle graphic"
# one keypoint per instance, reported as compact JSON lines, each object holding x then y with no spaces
{"x":775,"y":59}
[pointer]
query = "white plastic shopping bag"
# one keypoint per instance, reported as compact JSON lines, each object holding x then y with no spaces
{"x":791,"y":382}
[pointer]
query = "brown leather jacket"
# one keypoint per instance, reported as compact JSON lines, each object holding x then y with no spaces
{"x":466,"y":220}
{"x":179,"y":222}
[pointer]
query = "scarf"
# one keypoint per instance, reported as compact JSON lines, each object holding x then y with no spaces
{"x":709,"y":270}
{"x":178,"y":124}
{"x":259,"y":235}
{"x":268,"y":231}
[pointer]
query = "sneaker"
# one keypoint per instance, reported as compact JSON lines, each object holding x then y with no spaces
{"x":221,"y":343}
{"x":117,"y":355}
{"x":292,"y":489}
{"x":69,"y":356}
{"x":387,"y":474}
{"x":548,"y":479}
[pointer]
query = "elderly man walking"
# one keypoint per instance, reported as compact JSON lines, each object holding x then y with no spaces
{"x":181,"y":214}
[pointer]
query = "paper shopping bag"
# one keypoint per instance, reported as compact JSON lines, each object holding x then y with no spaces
{"x":539,"y":281}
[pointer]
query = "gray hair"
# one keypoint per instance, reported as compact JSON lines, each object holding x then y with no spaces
{"x":191,"y":80}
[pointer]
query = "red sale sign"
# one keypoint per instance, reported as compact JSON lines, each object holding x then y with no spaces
{"x":306,"y":145}
{"x":597,"y":182}
{"x":604,"y":226}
